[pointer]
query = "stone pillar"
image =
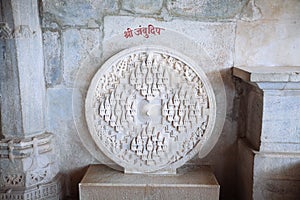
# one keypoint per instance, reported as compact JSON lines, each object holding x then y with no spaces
{"x":269,"y":126}
{"x":27,"y":170}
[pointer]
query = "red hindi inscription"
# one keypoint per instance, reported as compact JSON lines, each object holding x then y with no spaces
{"x":143,"y":31}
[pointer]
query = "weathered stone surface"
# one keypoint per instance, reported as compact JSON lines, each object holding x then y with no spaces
{"x":205,"y":9}
{"x":77,"y":12}
{"x":101,"y":182}
{"x":277,"y":166}
{"x":142,"y":7}
{"x":22,"y":107}
{"x":276,"y":189}
{"x":60,"y":122}
{"x":250,"y":12}
{"x":216,"y":39}
{"x":281,"y":121}
{"x":279,"y":9}
{"x":272,"y":121}
{"x":267,"y":43}
{"x":78,"y":43}
{"x":52,"y":53}
{"x":254,"y":117}
{"x":268,"y":74}
{"x":66,"y":141}
{"x":276,"y":176}
{"x":268,"y":175}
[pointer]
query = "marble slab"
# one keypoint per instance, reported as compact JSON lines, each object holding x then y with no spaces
{"x":268,"y":74}
{"x":190,"y":182}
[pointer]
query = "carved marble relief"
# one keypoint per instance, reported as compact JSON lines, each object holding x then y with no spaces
{"x":33,"y":154}
{"x":149,"y":109}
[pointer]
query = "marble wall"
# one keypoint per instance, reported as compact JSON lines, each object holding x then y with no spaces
{"x":232,"y":33}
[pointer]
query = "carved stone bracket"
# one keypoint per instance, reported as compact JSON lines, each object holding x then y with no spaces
{"x":150,"y":108}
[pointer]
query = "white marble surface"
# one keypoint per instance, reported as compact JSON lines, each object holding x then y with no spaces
{"x":150,"y":109}
{"x":194,"y":182}
{"x":268,"y":74}
{"x":268,"y":42}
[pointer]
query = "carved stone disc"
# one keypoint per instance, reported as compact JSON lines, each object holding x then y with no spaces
{"x":150,"y":109}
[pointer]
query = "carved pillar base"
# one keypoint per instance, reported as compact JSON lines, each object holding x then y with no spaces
{"x":28,"y":170}
{"x":50,"y":191}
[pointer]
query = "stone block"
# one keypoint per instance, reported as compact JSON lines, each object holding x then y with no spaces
{"x":52,"y":53}
{"x":142,"y":7}
{"x":277,"y":166}
{"x":281,"y":119}
{"x":281,"y":105}
{"x":101,"y":182}
{"x":76,"y":12}
{"x":272,"y":112}
{"x":267,"y":43}
{"x":78,"y":43}
{"x":261,"y":74}
{"x":207,"y":10}
{"x":276,"y":176}
{"x":279,"y":9}
{"x":268,"y":175}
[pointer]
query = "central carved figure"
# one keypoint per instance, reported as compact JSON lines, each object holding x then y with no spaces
{"x":148,"y":110}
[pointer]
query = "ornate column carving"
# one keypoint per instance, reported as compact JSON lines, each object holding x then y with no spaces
{"x":27,"y":167}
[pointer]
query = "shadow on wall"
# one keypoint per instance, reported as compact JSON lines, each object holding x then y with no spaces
{"x":72,"y":180}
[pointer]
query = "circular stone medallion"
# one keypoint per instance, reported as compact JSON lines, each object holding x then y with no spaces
{"x":149,"y":108}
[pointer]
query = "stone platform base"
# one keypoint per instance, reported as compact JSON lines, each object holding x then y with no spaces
{"x":102,"y":182}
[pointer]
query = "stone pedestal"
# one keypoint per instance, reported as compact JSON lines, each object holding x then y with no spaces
{"x":269,"y":127}
{"x":102,"y":182}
